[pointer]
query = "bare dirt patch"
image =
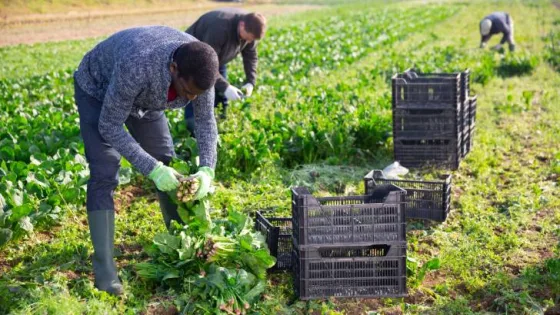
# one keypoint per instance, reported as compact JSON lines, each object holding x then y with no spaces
{"x":124,"y":197}
{"x":46,"y":28}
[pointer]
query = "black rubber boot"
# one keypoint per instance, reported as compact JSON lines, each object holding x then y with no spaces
{"x":168,"y":209}
{"x":102,"y":231}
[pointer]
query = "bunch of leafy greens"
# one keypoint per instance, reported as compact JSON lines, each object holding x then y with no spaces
{"x":216,"y":265}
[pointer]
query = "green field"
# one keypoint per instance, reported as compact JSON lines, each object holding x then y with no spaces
{"x":320,"y":117}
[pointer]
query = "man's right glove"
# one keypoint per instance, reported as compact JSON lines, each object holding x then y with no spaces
{"x":248,"y":89}
{"x":164,"y":177}
{"x":205,"y":175}
{"x":233,"y":94}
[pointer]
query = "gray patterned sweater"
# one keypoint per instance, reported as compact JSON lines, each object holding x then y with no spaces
{"x":129,"y":73}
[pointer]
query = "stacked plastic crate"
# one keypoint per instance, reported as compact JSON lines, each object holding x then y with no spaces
{"x":431,"y":118}
{"x":350,"y":246}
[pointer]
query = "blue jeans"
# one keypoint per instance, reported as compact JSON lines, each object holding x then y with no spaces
{"x":189,"y":112}
{"x":151,"y":132}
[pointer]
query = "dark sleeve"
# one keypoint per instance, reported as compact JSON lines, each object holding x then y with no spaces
{"x":221,"y":84}
{"x":217,"y":39}
{"x":250,"y":62}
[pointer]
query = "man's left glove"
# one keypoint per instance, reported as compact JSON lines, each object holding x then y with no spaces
{"x":164,"y":177}
{"x":248,"y":88}
{"x":205,"y":175}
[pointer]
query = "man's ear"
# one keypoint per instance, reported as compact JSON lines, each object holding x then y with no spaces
{"x":173,"y":67}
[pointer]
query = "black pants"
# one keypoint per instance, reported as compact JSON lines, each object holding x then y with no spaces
{"x":151,"y":132}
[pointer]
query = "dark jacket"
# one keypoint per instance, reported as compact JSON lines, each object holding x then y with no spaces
{"x":501,"y":23}
{"x":219,"y":29}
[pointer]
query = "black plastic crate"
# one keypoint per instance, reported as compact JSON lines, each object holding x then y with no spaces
{"x":426,"y":92}
{"x":429,"y":123}
{"x":464,"y":116}
{"x":472,"y":122}
{"x":377,"y":217}
{"x":465,"y":142}
{"x":278,"y":234}
{"x":429,"y":200}
{"x":370,"y":271}
{"x":471,"y":138}
{"x":464,"y":79}
{"x":430,"y":90}
{"x":472,"y":110}
{"x":441,"y":153}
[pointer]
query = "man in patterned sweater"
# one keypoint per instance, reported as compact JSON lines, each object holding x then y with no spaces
{"x":130,"y":79}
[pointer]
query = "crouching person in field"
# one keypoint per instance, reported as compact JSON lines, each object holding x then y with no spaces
{"x":130,"y":79}
{"x":496,"y":23}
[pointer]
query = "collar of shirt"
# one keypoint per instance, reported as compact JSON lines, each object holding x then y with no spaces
{"x":171,"y":93}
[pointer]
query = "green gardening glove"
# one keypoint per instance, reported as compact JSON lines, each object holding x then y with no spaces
{"x":205,"y":175}
{"x":164,"y":177}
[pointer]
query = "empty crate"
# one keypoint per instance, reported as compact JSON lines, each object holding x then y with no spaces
{"x":376,"y":217}
{"x":351,"y":271}
{"x":429,"y":200}
{"x":435,"y":152}
{"x":430,"y":90}
{"x":426,"y":123}
{"x":431,"y":118}
{"x":278,"y":234}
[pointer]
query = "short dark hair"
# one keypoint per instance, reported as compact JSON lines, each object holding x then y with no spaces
{"x":197,"y":60}
{"x":255,"y":23}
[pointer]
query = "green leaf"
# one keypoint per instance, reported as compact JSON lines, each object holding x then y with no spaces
{"x":255,"y":292}
{"x":125,"y":174}
{"x":80,"y":159}
{"x":71,"y":194}
{"x":166,"y":243}
{"x":17,"y":198}
{"x":5,"y":236}
{"x":26,"y":225}
{"x":433,"y":264}
{"x":21,"y":211}
{"x":171,"y":274}
{"x":246,"y":241}
{"x":31,"y":178}
{"x":3,"y":204}
{"x":181,"y":166}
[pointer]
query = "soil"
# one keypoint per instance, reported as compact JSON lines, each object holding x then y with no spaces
{"x":31,"y":29}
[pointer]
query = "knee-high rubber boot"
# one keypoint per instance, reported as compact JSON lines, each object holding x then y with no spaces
{"x":168,"y":209}
{"x":102,"y":231}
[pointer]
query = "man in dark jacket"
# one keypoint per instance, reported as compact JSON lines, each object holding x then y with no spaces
{"x":130,"y":79}
{"x":496,"y":23}
{"x":230,"y":31}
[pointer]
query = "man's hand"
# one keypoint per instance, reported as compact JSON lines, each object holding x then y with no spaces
{"x":233,"y":94}
{"x":205,"y":175}
{"x":248,"y":88}
{"x":164,"y":177}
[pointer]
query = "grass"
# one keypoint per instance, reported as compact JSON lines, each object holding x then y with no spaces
{"x":498,"y":250}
